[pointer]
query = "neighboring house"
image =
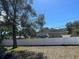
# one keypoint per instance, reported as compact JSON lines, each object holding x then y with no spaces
{"x":56,"y":34}
{"x":66,"y":36}
{"x":53,"y":33}
{"x":75,"y":31}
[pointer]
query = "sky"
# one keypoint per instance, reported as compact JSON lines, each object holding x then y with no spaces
{"x":57,"y":12}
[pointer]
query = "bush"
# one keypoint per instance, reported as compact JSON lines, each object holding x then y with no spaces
{"x":24,"y":55}
{"x":2,"y":50}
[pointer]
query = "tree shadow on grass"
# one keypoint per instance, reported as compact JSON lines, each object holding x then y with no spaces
{"x":24,"y":55}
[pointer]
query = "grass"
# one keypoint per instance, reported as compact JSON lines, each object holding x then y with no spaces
{"x":55,"y":52}
{"x":34,"y":39}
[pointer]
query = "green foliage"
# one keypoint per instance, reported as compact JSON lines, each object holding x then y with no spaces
{"x":20,"y":12}
{"x":69,"y":27}
{"x":39,"y":23}
{"x":73,"y":27}
{"x":2,"y":49}
{"x":14,"y":9}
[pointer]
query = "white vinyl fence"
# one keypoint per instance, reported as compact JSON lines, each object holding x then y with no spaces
{"x":44,"y":42}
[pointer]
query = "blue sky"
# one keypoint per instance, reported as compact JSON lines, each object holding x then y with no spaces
{"x":57,"y":12}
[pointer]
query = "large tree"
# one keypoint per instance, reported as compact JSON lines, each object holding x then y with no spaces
{"x":14,"y":9}
{"x":69,"y":27}
{"x":73,"y":27}
{"x":19,"y":12}
{"x":33,"y":24}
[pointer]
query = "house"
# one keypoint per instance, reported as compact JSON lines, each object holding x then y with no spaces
{"x":66,"y":36}
{"x":53,"y":33}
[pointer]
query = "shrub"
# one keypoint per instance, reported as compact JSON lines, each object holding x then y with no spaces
{"x":2,"y":50}
{"x":24,"y":55}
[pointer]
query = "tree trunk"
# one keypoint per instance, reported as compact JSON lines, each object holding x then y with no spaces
{"x":14,"y":27}
{"x":14,"y":37}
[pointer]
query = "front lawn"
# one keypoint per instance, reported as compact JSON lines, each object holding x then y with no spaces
{"x":54,"y":52}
